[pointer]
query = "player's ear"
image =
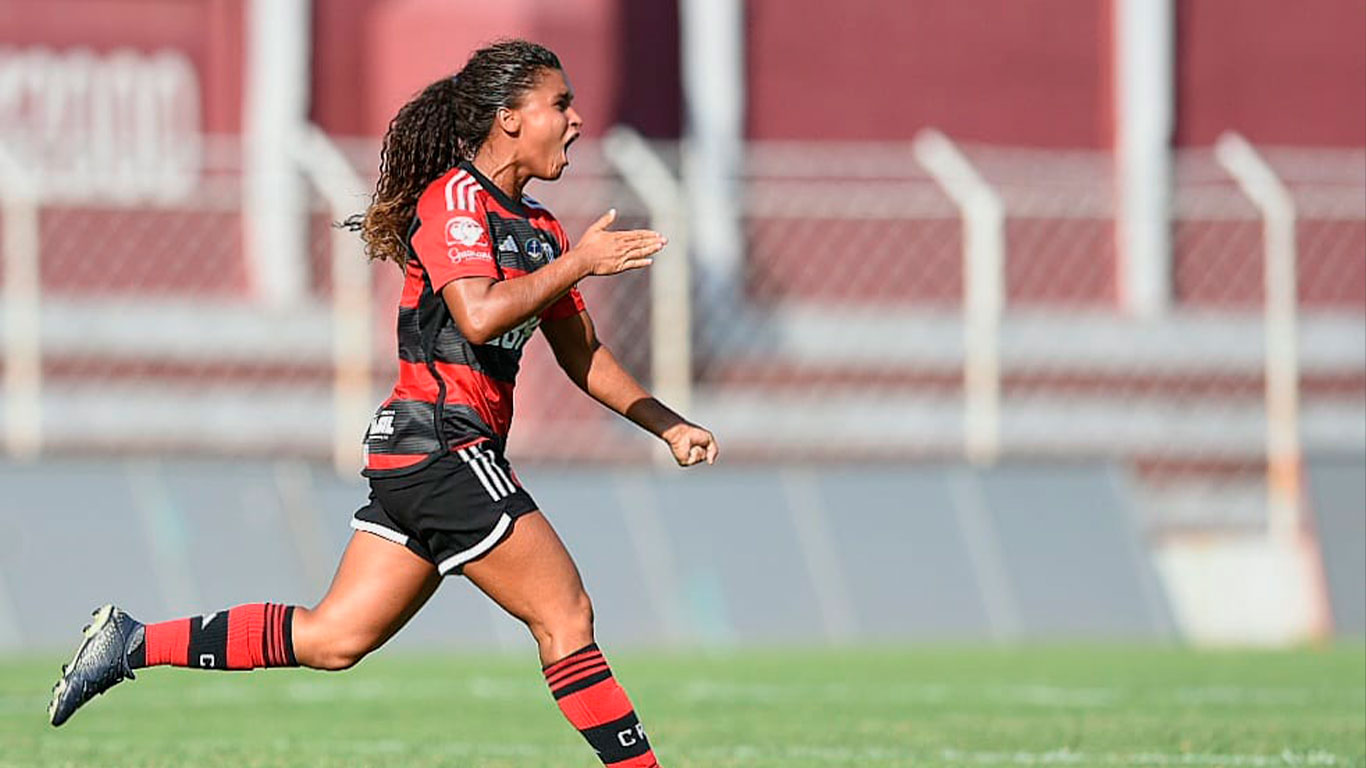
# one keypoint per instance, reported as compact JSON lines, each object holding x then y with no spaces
{"x":510,"y":120}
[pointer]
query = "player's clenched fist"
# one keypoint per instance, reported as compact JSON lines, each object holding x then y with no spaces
{"x":691,"y":444}
{"x":604,"y":252}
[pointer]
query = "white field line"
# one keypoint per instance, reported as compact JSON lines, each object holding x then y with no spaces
{"x":482,"y":688}
{"x":1068,"y":757}
{"x":700,"y":691}
{"x":859,"y":756}
{"x":1270,"y":696}
{"x":745,"y":753}
{"x":1038,"y":695}
{"x":697,"y":691}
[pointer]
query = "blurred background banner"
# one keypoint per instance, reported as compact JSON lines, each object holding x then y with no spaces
{"x":1015,"y":320}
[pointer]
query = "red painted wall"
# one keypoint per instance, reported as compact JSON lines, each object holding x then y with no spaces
{"x":340,"y":60}
{"x":412,"y":42}
{"x":999,"y":71}
{"x":1280,"y":73}
{"x":1039,"y":73}
{"x":208,"y":32}
{"x":1002,"y":71}
{"x":370,"y":55}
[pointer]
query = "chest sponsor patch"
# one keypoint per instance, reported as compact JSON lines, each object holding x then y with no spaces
{"x":458,"y":255}
{"x":538,"y":249}
{"x":465,"y":232}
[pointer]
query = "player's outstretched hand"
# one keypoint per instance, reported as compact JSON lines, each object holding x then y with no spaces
{"x":691,"y":444}
{"x":606,"y":252}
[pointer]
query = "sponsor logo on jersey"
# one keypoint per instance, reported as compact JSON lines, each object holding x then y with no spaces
{"x":464,"y":231}
{"x":508,"y":245}
{"x":538,"y":249}
{"x":458,"y":255}
{"x":381,"y":426}
{"x":517,"y":338}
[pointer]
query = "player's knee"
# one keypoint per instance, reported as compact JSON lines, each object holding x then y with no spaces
{"x":323,"y":642}
{"x":570,"y":622}
{"x":577,"y":617}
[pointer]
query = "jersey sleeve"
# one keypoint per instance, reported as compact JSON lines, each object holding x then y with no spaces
{"x":452,"y":239}
{"x":571,"y":303}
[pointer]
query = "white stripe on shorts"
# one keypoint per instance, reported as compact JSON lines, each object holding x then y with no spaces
{"x":379,"y":530}
{"x":484,"y":545}
{"x":499,"y":479}
{"x":512,"y":487}
{"x":472,"y":460}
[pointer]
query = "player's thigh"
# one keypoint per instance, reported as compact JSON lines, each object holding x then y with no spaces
{"x":532,"y":576}
{"x":378,"y":586}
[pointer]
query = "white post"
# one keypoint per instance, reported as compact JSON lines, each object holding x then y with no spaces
{"x":276,"y":111}
{"x":344,"y":190}
{"x":983,"y":288}
{"x":23,"y":300}
{"x":1144,"y":106}
{"x":713,"y":65}
{"x":671,"y":276}
{"x":1284,"y":468}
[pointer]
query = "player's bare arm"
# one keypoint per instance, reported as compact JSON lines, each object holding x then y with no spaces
{"x":484,"y":308}
{"x":592,"y":366}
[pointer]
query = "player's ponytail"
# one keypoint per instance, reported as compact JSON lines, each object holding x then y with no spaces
{"x":446,"y":123}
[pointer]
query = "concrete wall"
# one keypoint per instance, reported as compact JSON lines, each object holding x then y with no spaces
{"x":718,"y":556}
{"x":1337,"y":492}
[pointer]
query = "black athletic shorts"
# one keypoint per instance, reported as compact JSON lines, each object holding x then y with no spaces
{"x":450,"y":512}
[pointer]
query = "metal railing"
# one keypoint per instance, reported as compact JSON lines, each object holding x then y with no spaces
{"x":23,"y":382}
{"x":331,"y":174}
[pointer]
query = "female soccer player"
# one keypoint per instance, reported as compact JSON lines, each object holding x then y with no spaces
{"x":484,"y":266}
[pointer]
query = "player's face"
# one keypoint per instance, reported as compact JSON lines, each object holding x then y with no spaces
{"x":549,"y":126}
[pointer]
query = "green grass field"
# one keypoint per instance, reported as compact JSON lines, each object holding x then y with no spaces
{"x":930,"y":707}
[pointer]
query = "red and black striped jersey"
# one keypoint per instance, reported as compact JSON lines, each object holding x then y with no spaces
{"x":451,"y":392}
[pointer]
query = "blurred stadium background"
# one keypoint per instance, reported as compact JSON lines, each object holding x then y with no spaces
{"x":1016,"y":320}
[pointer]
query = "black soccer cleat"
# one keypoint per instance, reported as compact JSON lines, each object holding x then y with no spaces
{"x":99,"y":664}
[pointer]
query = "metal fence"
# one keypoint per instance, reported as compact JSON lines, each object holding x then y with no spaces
{"x":894,"y":301}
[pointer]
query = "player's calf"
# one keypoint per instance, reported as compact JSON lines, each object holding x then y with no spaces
{"x":593,"y":702}
{"x":245,"y":637}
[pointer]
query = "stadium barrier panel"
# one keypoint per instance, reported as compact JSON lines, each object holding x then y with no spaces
{"x":793,"y":555}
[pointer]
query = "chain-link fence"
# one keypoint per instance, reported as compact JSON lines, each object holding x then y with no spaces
{"x":843,"y":340}
{"x":1209,"y":380}
{"x":146,"y":334}
{"x":848,"y":339}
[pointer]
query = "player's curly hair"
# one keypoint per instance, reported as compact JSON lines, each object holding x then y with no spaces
{"x":444,"y":124}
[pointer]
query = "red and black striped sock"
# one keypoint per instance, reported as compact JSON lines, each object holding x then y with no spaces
{"x":590,"y":698}
{"x":245,"y":637}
